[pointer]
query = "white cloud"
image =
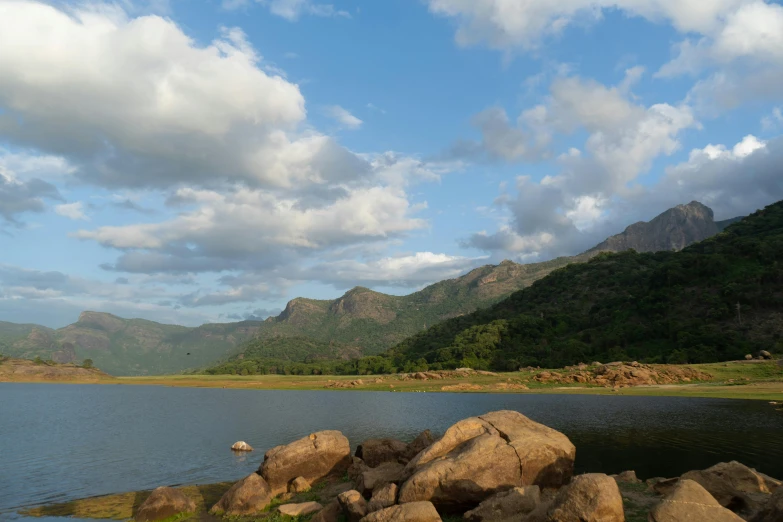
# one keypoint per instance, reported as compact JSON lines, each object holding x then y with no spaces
{"x":508,"y":24}
{"x":402,"y":270}
{"x":292,"y":10}
{"x":554,"y":216}
{"x":343,"y":117}
{"x":73,"y":211}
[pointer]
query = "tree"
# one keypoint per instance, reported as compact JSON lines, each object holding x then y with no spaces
{"x":37,"y":360}
{"x":87,"y":363}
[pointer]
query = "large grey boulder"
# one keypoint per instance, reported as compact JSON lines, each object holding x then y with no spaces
{"x":164,"y":502}
{"x":689,"y":501}
{"x":312,"y":458}
{"x":481,"y":456}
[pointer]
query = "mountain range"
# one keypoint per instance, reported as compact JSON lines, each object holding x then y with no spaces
{"x":361,"y":321}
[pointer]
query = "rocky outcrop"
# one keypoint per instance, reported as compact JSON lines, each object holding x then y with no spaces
{"x":622,"y":375}
{"x":674,"y":229}
{"x":419,"y":444}
{"x":480,"y":456}
{"x":375,"y":452}
{"x":312,"y":457}
{"x":689,"y":501}
{"x":163,"y":503}
{"x":593,"y":497}
{"x":412,"y":512}
{"x":249,"y":496}
{"x":242,"y":446}
{"x":506,"y":505}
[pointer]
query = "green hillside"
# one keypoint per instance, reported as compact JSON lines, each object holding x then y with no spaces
{"x":716,"y":300}
{"x":127,"y":346}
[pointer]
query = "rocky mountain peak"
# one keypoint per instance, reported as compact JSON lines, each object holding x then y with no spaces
{"x":101,"y":321}
{"x":674,"y":229}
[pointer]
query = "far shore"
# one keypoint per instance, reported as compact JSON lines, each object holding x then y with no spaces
{"x":730,"y":380}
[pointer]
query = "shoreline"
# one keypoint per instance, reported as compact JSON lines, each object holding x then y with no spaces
{"x":760,"y":380}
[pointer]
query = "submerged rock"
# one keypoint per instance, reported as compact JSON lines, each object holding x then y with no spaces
{"x":164,"y":502}
{"x":241,"y":446}
{"x":412,"y":512}
{"x":249,"y":496}
{"x":312,"y":458}
{"x":593,"y":497}
{"x":480,"y":456}
{"x":689,"y":501}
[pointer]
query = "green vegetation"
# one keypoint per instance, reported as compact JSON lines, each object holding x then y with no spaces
{"x":715,"y":300}
{"x":87,"y":363}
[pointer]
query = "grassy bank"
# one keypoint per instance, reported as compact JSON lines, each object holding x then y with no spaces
{"x":736,"y":380}
{"x":760,"y":380}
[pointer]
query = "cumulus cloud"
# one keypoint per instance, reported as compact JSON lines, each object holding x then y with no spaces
{"x":556,"y":215}
{"x":508,"y":24}
{"x":343,"y":117}
{"x":291,"y":10}
{"x":404,"y":270}
{"x":73,"y":211}
{"x":18,"y":197}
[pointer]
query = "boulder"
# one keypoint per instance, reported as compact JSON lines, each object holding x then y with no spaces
{"x":765,"y":354}
{"x":312,"y":458}
{"x":375,"y":452}
{"x":242,"y":446}
{"x":331,"y":513}
{"x":773,"y":510}
{"x":593,"y":497}
{"x":383,"y":474}
{"x":356,"y":468}
{"x":628,"y":477}
{"x":481,"y":456}
{"x":353,"y":504}
{"x":419,"y":444}
{"x":249,"y":496}
{"x":299,"y":485}
{"x":383,"y":497}
{"x":506,"y":505}
{"x":299,"y":510}
{"x":735,"y":486}
{"x":163,"y":503}
{"x":412,"y":512}
{"x":748,"y":357}
{"x":689,"y":501}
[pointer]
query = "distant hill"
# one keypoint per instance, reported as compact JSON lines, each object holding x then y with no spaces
{"x":127,"y":346}
{"x":715,"y":300}
{"x":22,"y":370}
{"x":361,"y":321}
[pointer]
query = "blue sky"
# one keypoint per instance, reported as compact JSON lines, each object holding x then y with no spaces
{"x":203,"y":161}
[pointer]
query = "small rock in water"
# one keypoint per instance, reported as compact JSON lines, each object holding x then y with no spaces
{"x":242,"y":446}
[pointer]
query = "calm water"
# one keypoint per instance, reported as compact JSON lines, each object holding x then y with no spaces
{"x":60,"y":442}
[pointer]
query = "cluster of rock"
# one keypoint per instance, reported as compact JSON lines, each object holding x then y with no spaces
{"x":497,"y":467}
{"x":621,"y":375}
{"x":459,"y":373}
{"x":763,"y":355}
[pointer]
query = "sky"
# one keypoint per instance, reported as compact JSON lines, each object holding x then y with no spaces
{"x":207,"y":161}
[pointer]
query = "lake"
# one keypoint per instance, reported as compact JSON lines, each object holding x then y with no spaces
{"x":61,"y":442}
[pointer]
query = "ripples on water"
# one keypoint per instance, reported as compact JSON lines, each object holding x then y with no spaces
{"x":61,"y":442}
